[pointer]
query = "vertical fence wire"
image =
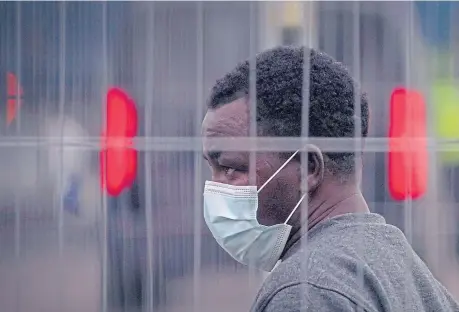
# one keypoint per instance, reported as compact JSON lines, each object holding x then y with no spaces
{"x":253,"y":35}
{"x":408,"y":203}
{"x":103,"y":239}
{"x":148,"y":115}
{"x":61,"y":123}
{"x":356,"y":71}
{"x":198,"y":160}
{"x":309,"y":10}
{"x":17,"y":200}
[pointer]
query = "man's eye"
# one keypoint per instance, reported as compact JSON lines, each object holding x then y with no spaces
{"x":228,"y":170}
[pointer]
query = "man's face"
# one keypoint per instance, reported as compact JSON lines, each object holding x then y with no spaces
{"x":281,"y":194}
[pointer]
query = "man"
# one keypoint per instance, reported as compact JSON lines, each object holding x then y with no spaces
{"x":336,"y":255}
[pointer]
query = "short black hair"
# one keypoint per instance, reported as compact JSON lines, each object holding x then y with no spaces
{"x":279,"y":86}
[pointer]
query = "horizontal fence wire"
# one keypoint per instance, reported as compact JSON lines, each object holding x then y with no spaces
{"x":261,"y":144}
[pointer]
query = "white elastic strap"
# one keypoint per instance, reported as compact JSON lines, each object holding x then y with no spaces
{"x":294,"y":209}
{"x":275,"y":173}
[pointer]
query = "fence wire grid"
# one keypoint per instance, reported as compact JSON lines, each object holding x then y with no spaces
{"x":65,"y":245}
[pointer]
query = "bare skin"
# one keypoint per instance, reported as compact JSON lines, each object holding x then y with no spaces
{"x":328,"y":196}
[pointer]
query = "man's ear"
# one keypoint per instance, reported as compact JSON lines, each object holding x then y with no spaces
{"x":316,"y":168}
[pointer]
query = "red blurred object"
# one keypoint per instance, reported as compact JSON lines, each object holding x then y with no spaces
{"x":119,"y":162}
{"x":408,"y":170}
{"x":12,"y":102}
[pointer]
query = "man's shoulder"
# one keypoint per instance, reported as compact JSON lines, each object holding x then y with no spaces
{"x":307,"y":296}
{"x":351,"y":266}
{"x":305,"y":271}
{"x":313,"y":261}
{"x":329,"y":264}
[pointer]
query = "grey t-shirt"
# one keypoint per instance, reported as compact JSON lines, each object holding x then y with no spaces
{"x":353,"y":262}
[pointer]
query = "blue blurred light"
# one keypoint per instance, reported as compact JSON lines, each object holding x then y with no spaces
{"x":435,"y":20}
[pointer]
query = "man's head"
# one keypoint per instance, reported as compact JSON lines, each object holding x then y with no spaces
{"x":279,"y":90}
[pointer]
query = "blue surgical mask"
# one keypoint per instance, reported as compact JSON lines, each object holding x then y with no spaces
{"x":231,"y":215}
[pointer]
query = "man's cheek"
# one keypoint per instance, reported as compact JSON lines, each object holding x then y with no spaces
{"x":266,"y":213}
{"x":240,"y":179}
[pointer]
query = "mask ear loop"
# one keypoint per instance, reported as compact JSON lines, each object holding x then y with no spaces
{"x":294,"y":209}
{"x":277,"y":171}
{"x":321,"y":160}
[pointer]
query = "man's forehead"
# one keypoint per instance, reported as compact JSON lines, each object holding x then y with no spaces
{"x":228,"y":120}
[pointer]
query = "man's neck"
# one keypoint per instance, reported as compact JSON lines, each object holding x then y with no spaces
{"x":330,"y":201}
{"x":333,"y":202}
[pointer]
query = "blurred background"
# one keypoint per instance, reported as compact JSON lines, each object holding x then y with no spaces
{"x":67,"y":246}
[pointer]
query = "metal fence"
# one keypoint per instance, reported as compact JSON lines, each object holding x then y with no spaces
{"x":148,"y":249}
